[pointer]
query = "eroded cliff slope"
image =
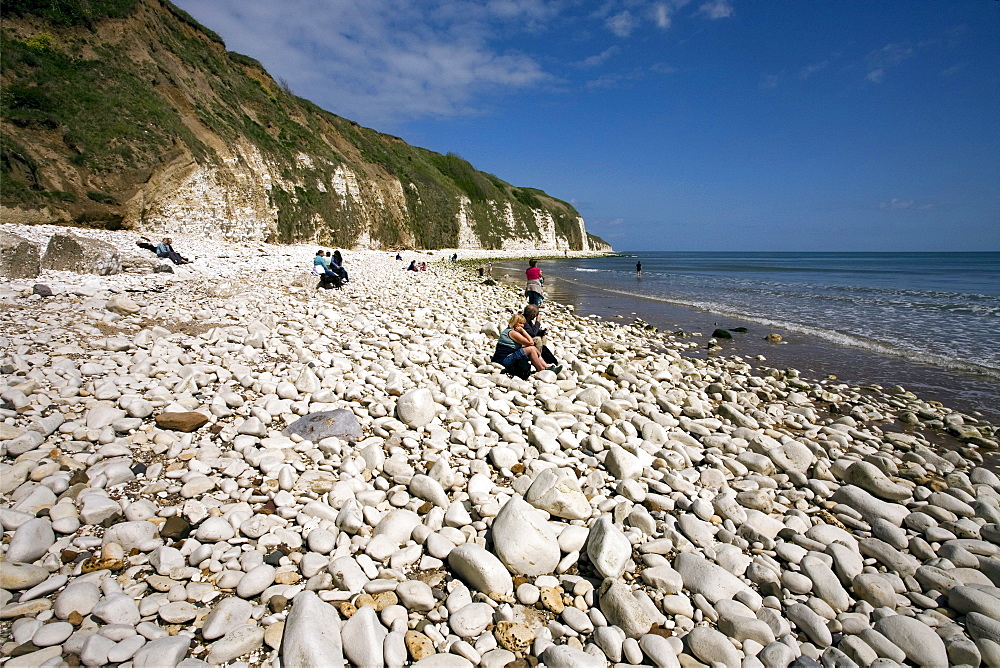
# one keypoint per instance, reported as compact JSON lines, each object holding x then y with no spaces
{"x":130,"y":114}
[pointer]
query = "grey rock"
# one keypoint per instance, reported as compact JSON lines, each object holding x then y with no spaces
{"x":710,"y":580}
{"x":869,"y":478}
{"x":31,"y":541}
{"x":564,"y":656}
{"x":810,"y":623}
{"x":984,"y":600}
{"x":869,"y":506}
{"x":894,"y":560}
{"x":621,"y":607}
{"x":312,"y":634}
{"x":917,"y":640}
{"x":228,"y":614}
{"x":481,"y":570}
{"x":15,"y":577}
{"x":19,"y":258}
{"x":237,"y":642}
{"x":607,"y":548}
{"x":875,"y":589}
{"x":362,"y":636}
{"x":712,"y":646}
{"x":69,"y":252}
{"x":523,"y":539}
{"x":340,"y":423}
{"x":162,"y":652}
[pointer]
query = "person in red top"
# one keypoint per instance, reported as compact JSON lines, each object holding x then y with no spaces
{"x":533,"y":289}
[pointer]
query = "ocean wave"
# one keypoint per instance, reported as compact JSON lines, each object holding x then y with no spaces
{"x":898,"y":348}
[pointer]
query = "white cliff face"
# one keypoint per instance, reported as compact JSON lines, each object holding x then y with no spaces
{"x":467,"y":237}
{"x":236,"y":201}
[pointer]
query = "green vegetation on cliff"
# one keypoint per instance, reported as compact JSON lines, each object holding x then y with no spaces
{"x":101,"y":97}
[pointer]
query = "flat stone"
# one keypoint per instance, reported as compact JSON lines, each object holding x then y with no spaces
{"x":31,"y":540}
{"x":712,"y":647}
{"x":117,"y":609}
{"x":16,"y":577}
{"x":917,"y":640}
{"x":340,"y":423}
{"x":187,"y":421}
{"x":162,"y":652}
{"x":557,"y":492}
{"x":710,"y":580}
{"x":228,"y":614}
{"x":564,"y":656}
{"x":481,"y":570}
{"x":237,"y":642}
{"x":471,"y":620}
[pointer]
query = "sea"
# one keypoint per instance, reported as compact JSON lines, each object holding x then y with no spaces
{"x":929,"y":322}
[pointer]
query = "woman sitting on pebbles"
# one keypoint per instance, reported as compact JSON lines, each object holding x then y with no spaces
{"x":515,"y":345}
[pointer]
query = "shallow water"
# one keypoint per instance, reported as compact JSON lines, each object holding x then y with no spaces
{"x":848,"y":315}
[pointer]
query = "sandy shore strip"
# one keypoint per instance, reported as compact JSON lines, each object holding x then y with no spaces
{"x":224,"y":464}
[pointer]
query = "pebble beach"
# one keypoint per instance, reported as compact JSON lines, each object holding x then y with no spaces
{"x":224,"y":465}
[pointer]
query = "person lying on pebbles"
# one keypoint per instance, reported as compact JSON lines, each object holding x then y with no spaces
{"x":234,"y":468}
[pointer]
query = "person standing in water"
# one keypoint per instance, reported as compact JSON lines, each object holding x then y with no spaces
{"x":638,"y":268}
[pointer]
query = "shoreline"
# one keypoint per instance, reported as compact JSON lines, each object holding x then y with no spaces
{"x":965,"y":390}
{"x":644,"y":506}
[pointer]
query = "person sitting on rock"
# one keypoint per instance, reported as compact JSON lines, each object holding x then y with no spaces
{"x":413,"y":266}
{"x":328,"y":278}
{"x":337,"y":266}
{"x":320,"y":260}
{"x":515,"y":348}
{"x":145,"y":244}
{"x":537,"y":333}
{"x":166,"y":250}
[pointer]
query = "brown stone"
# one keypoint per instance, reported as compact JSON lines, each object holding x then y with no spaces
{"x":363,"y":600}
{"x":74,"y":618}
{"x":514,"y":636}
{"x":347,"y":609}
{"x":551,"y":598}
{"x":418,"y":645}
{"x":774,"y":338}
{"x":286,"y":578}
{"x":187,"y":421}
{"x":384,"y":599}
{"x":101,"y":564}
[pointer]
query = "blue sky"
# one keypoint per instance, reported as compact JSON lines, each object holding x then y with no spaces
{"x":803,"y":125}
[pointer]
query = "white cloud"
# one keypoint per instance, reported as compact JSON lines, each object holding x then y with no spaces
{"x":621,"y":24}
{"x":600,"y":58}
{"x":810,"y":70}
{"x":881,"y":60}
{"x":383,"y":61}
{"x":662,"y":15}
{"x":768,"y":81}
{"x":717,"y":9}
{"x":904,"y":205}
